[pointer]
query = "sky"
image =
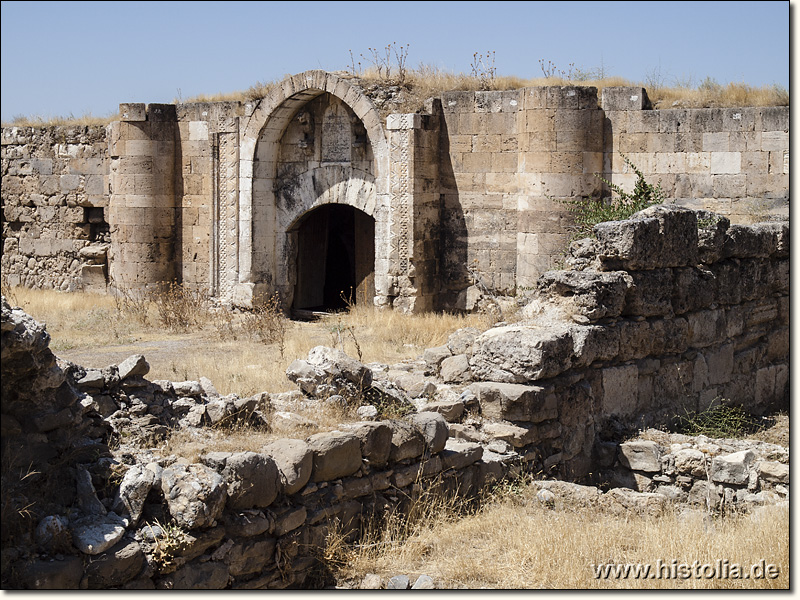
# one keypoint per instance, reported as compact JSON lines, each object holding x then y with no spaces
{"x":79,"y":58}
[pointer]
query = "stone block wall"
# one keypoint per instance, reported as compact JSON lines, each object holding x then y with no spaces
{"x":732,"y":161}
{"x":479,"y":185}
{"x":467,"y":196}
{"x":55,"y":207}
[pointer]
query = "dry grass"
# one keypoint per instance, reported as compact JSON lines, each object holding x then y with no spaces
{"x":427,"y":81}
{"x":96,"y":330}
{"x":67,"y":120}
{"x":517,"y":543}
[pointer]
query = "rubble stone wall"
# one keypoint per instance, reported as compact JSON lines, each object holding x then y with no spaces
{"x":55,"y":201}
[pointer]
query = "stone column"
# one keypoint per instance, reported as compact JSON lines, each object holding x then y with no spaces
{"x":142,"y":196}
{"x":561,"y":150}
{"x":413,"y":211}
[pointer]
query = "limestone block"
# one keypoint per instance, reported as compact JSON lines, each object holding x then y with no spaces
{"x":695,"y":288}
{"x":716,"y":142}
{"x":210,"y":575}
{"x":434,"y":430}
{"x":407,"y":441}
{"x":451,"y":410}
{"x":691,"y":462}
{"x":253,"y":479}
{"x":519,"y":353}
{"x":774,"y":141}
{"x":706,"y":327}
{"x":660,"y":236}
{"x":517,"y":435}
{"x":336,"y":454}
{"x":620,"y":390}
{"x":641,"y":455}
{"x":594,"y":295}
{"x":133,"y":111}
{"x":195,"y":494}
{"x":649,"y":293}
{"x":456,"y":369}
{"x":595,"y":343}
{"x":624,"y":98}
{"x":746,"y":241}
{"x":115,"y":567}
{"x":732,"y":468}
{"x":725,"y":163}
{"x":769,"y":470}
{"x":458,"y":454}
{"x":515,"y":402}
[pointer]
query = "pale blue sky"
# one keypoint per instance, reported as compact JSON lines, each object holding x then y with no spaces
{"x":61,"y":58}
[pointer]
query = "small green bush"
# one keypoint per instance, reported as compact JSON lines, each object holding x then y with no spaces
{"x":589,"y":212}
{"x":719,"y":421}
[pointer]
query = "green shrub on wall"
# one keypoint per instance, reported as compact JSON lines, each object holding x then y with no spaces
{"x":621,"y":205}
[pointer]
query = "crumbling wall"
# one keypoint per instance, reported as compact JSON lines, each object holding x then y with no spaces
{"x":55,"y":200}
{"x":244,"y":520}
{"x":660,"y":315}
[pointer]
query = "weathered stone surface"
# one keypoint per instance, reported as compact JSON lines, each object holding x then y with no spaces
{"x":416,"y":385}
{"x":115,"y":567}
{"x":136,"y":484}
{"x":456,"y":369}
{"x":451,"y":410}
{"x":770,"y":470}
{"x":195,"y":494}
{"x":210,"y":575}
{"x":187,"y":388}
{"x":711,"y":229}
{"x":592,"y":294}
{"x":649,"y":294}
{"x":754,"y":241}
{"x":515,"y":435}
{"x":328,"y":372}
{"x":434,"y":430}
{"x":621,"y":501}
{"x":289,"y":520}
{"x":52,"y":532}
{"x":336,"y":454}
{"x":247,"y":523}
{"x":252,"y":479}
{"x":433,"y":357}
{"x":133,"y":366}
{"x":458,"y":454}
{"x":460,"y":341}
{"x":733,"y":468}
{"x":424,"y":582}
{"x":692,"y":462}
{"x":97,"y":533}
{"x":398,"y":582}
{"x":53,"y":574}
{"x":515,"y":402}
{"x":407,"y":441}
{"x":295,"y":462}
{"x":640,"y":455}
{"x":375,"y":439}
{"x":520,"y":353}
{"x":250,"y":556}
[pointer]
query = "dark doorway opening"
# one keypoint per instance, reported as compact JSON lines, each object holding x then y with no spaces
{"x":335,"y":259}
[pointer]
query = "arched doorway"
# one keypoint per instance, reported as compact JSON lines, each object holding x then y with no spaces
{"x":335,"y":258}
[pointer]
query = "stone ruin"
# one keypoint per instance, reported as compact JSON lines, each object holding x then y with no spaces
{"x":671,"y":310}
{"x":313,"y":192}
